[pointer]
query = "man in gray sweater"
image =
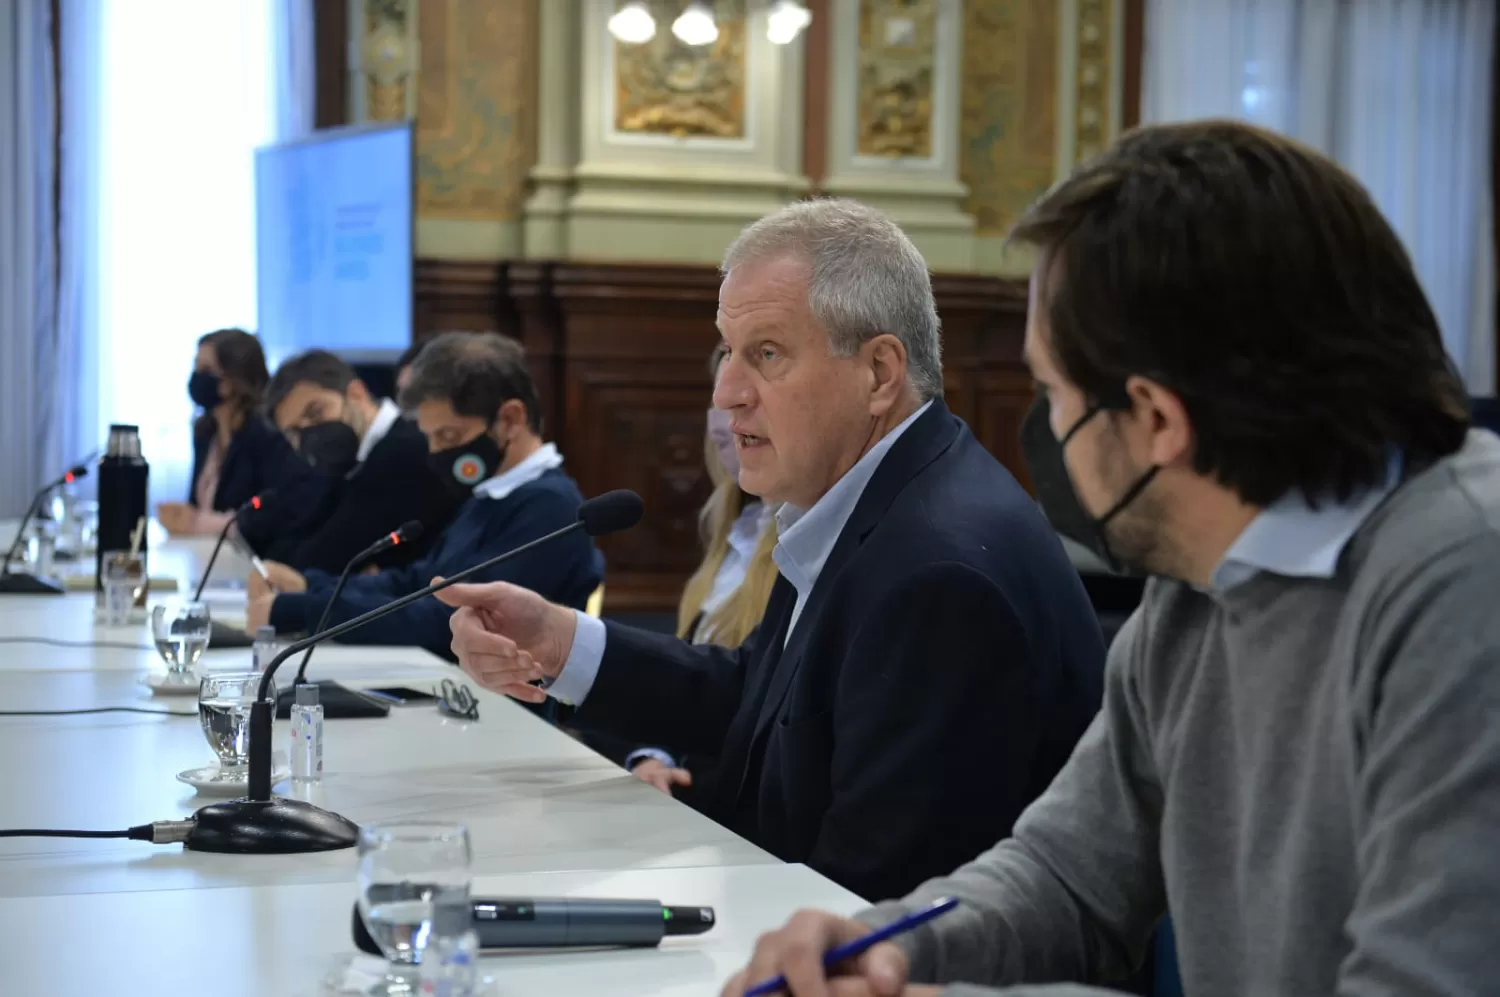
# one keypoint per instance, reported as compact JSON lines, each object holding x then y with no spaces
{"x":1298,"y":756}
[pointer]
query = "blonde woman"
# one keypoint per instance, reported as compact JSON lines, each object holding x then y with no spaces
{"x":726,"y":597}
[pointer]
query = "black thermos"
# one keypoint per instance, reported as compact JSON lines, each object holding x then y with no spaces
{"x":124,"y":477}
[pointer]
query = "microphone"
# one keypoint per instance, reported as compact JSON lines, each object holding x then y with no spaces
{"x":566,"y":922}
{"x":338,"y":704}
{"x":259,"y":824}
{"x":255,"y":502}
{"x":23,"y":583}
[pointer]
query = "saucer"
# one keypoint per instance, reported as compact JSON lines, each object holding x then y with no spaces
{"x":166,"y":684}
{"x":212,"y":780}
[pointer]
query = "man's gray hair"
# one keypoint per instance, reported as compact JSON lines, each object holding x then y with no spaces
{"x":867,"y":279}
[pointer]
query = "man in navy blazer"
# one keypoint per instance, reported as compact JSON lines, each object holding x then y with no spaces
{"x":928,"y":657}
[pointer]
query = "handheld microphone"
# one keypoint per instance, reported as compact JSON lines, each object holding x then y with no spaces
{"x":27,"y":584}
{"x":567,"y":922}
{"x":255,"y":502}
{"x":258,"y":824}
{"x":334,"y":698}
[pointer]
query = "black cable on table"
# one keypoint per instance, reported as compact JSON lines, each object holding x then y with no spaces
{"x":95,"y":709}
{"x":32,"y":832}
{"x":78,"y":644}
{"x":161,"y":832}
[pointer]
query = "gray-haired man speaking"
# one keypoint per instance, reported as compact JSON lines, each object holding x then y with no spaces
{"x":926,"y":624}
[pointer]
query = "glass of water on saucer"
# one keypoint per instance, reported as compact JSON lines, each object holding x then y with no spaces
{"x":224,"y":701}
{"x":181,"y":632}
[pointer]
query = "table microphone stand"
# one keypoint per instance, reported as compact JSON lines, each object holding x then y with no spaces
{"x":260,"y":824}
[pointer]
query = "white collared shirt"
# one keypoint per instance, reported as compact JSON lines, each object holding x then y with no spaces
{"x":385,"y":418}
{"x":542,"y":460}
{"x":807,"y":536}
{"x":1289,"y":537}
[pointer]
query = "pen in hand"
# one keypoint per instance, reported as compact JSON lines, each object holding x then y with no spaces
{"x":863,"y":944}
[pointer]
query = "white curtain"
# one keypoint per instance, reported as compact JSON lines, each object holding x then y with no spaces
{"x":28,"y":384}
{"x":1397,"y":91}
{"x":165,"y":102}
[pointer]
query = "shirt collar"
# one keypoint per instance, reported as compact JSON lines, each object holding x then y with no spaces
{"x":385,"y":418}
{"x":807,"y":536}
{"x":1289,"y":537}
{"x":544,"y":459}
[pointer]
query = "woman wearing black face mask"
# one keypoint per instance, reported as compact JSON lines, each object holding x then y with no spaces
{"x":236,"y":454}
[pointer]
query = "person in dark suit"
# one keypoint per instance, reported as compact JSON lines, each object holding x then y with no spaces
{"x":477,"y":407}
{"x":237,"y":455}
{"x":928,"y":657}
{"x":374,"y":465}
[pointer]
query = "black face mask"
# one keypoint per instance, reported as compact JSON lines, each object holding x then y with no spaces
{"x":462,"y":467}
{"x":203,"y":389}
{"x":331,"y":447}
{"x":1043,"y":453}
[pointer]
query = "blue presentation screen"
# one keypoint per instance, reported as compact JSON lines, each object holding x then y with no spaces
{"x":333,"y":230}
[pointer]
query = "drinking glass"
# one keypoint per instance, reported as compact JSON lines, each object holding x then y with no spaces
{"x":124,"y":573}
{"x":224,"y":700}
{"x":407,"y":873}
{"x":181,"y":631}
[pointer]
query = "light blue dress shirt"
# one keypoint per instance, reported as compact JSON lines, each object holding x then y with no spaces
{"x":806,"y":539}
{"x":1289,"y":537}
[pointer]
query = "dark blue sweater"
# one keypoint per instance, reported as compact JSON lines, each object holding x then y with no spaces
{"x":566,"y":571}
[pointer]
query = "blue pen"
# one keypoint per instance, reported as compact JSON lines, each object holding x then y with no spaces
{"x":861,"y":945}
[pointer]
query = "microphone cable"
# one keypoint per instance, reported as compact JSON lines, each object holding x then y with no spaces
{"x":77,"y":644}
{"x":162,"y":832}
{"x":95,"y":709}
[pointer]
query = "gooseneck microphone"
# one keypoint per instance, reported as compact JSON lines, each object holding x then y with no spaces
{"x":27,"y":584}
{"x":259,"y":824}
{"x":408,"y":532}
{"x":337,"y":701}
{"x":567,"y":922}
{"x":255,"y":502}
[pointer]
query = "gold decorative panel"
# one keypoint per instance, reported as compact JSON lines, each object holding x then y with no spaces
{"x":476,"y":119}
{"x":897,"y":50}
{"x":1094,"y":44}
{"x":386,"y":59}
{"x":665,"y":87}
{"x":1008,"y":126}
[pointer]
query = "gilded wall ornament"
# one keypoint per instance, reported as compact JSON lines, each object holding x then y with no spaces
{"x":665,"y":87}
{"x":897,"y":51}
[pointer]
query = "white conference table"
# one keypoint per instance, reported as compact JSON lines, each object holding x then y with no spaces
{"x":546,"y":815}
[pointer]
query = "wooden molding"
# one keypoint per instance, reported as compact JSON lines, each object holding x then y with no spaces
{"x":620,"y":356}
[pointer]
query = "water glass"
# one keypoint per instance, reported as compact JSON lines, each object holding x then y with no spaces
{"x":224,"y":701}
{"x":409,"y":875}
{"x":181,"y":632}
{"x":123,"y":574}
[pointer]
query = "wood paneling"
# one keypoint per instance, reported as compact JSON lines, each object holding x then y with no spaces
{"x":817,"y":46}
{"x":331,"y":51}
{"x":620,"y":357}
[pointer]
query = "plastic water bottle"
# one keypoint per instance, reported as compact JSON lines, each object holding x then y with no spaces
{"x":264,"y":648}
{"x":449,"y":965}
{"x":307,"y":735}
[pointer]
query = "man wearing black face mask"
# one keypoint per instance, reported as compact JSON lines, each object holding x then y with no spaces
{"x":1298,"y":758}
{"x":373,"y":461}
{"x":478,"y":410}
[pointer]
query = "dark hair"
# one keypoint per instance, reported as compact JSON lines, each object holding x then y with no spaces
{"x":313,"y":367}
{"x":476,"y":373}
{"x":1257,"y":280}
{"x":410,"y":354}
{"x":243,"y":365}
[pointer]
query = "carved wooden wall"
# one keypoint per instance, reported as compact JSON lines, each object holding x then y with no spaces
{"x":620,"y":356}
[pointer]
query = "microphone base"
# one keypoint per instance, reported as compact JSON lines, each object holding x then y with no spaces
{"x":269,"y":827}
{"x":19,"y":583}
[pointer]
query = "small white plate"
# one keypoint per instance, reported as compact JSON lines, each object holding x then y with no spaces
{"x":165,"y":684}
{"x":211,"y":780}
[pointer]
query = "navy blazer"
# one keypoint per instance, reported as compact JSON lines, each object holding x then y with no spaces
{"x":258,"y":459}
{"x":945,"y":664}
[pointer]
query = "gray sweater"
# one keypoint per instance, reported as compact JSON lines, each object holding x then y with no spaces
{"x":1306,"y":772}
